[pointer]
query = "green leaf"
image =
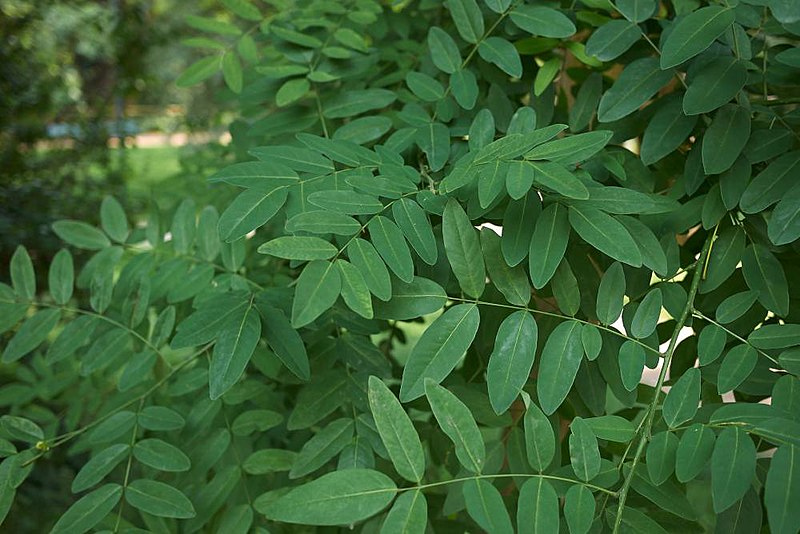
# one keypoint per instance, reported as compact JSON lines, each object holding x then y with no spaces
{"x":351,"y":38}
{"x":89,"y":510}
{"x":424,"y":87}
{"x":434,"y":140}
{"x":694,"y":33}
{"x":317,"y":289}
{"x":771,"y":185}
{"x":640,"y":80}
{"x":410,"y":301}
{"x":256,"y":175}
{"x":512,"y":282}
{"x":735,"y":306}
{"x":458,"y":423}
{"x":439,"y":349}
{"x":775,"y":336}
{"x":198,"y":71}
{"x":666,"y":131}
{"x":337,"y":498}
{"x":584,"y":454}
{"x":784,"y":224}
{"x":212,"y":25}
{"x":232,"y":351}
{"x":416,"y":227}
{"x":391,"y":245}
{"x":285,"y":341}
{"x":512,"y":359}
{"x":113,"y":219}
{"x":606,"y":234}
{"x":408,"y":515}
{"x":323,"y":222}
{"x":463,"y":249}
{"x":486,"y":507}
{"x":519,"y":178}
{"x":561,"y":358}
{"x":243,"y":8}
{"x":159,"y":499}
{"x":611,"y":428}
{"x":355,"y":102}
{"x":61,"y":277}
{"x":464,"y":87}
{"x":366,"y":259}
{"x":232,"y":72}
{"x":81,"y":235}
{"x":537,"y":508}
{"x":468,"y":19}
{"x":501,"y":53}
{"x":725,"y":254}
{"x":782,"y":490}
{"x":572,"y":148}
{"x":317,"y":400}
{"x":31,"y":334}
{"x":579,"y":509}
{"x":298,"y":248}
{"x":592,"y":341}
{"x":491,"y":182}
{"x":397,"y":432}
{"x":631,"y":364}
{"x":347,"y":202}
{"x":610,"y":294}
{"x":160,"y":455}
{"x":514,"y":145}
{"x":660,"y":457}
{"x":725,"y":138}
{"x":543,"y":21}
{"x":737,"y":365}
{"x":266,"y":461}
{"x":647,"y":314}
{"x":249,"y":211}
{"x":354,"y":289}
{"x":540,"y":442}
{"x":549,"y":242}
{"x":322,"y":448}
{"x":581,"y":113}
{"x":291,"y":91}
{"x":764,"y":274}
{"x":612,"y":39}
{"x":636,"y":11}
{"x":733,"y":466}
{"x":683,"y":399}
{"x":100,"y":465}
{"x":444,"y":51}
{"x":160,"y":418}
{"x":519,"y":222}
{"x":21,"y":429}
{"x":716,"y":85}
{"x":694,"y":451}
{"x":557,"y":178}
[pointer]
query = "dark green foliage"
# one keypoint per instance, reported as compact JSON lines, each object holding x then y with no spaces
{"x":464,"y":381}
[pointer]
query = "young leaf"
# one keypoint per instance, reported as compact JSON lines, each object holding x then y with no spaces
{"x":439,"y":349}
{"x":561,"y":358}
{"x":397,"y":432}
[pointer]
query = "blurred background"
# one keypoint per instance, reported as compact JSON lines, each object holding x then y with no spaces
{"x":89,"y":107}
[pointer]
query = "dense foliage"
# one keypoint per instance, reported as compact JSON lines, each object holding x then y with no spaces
{"x":352,"y":341}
